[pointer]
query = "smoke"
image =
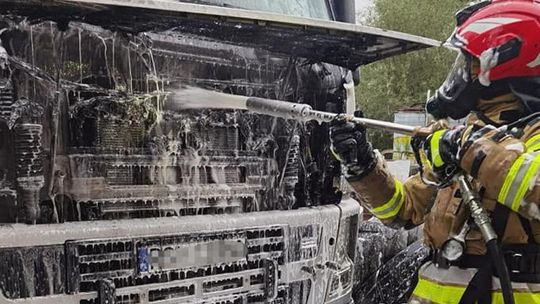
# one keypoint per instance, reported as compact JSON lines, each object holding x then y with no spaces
{"x":190,"y":97}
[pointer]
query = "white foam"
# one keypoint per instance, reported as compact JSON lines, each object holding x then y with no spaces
{"x":197,"y":98}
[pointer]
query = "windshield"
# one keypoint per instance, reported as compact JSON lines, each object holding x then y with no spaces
{"x":301,"y":8}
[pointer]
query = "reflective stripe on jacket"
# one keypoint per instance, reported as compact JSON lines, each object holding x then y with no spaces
{"x":446,"y":286}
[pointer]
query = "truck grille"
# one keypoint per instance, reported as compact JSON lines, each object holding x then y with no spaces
{"x":240,"y":262}
{"x":136,"y":187}
{"x":90,"y":262}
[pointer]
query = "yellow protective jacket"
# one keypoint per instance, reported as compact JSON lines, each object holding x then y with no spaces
{"x":506,"y":167}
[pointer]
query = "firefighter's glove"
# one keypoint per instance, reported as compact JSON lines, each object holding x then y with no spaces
{"x":351,"y":147}
{"x":441,"y":149}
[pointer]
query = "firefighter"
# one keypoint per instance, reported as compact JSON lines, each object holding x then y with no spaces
{"x":495,"y":84}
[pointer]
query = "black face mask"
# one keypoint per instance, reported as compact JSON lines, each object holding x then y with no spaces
{"x":458,"y":95}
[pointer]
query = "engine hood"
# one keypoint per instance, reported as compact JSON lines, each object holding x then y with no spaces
{"x":338,"y":43}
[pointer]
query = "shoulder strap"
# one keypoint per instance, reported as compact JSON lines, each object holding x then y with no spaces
{"x":500,"y":219}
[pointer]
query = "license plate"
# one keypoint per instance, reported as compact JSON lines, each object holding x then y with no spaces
{"x":190,"y":255}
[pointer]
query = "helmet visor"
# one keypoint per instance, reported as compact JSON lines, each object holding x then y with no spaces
{"x":458,"y":78}
{"x":459,"y":93}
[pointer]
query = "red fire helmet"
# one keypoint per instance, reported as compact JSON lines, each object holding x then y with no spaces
{"x":504,"y":35}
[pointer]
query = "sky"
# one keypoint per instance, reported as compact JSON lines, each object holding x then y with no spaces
{"x":362,"y":4}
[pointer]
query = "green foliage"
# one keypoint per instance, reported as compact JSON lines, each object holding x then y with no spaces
{"x":403,"y":81}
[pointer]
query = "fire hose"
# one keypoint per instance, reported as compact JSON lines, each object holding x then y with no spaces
{"x":303,"y":112}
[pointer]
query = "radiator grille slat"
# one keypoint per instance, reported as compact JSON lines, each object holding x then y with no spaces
{"x":136,"y":262}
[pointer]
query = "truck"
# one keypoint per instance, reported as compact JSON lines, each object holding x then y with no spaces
{"x":108,"y":197}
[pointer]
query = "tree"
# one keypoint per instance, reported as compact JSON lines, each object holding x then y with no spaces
{"x":403,"y":81}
